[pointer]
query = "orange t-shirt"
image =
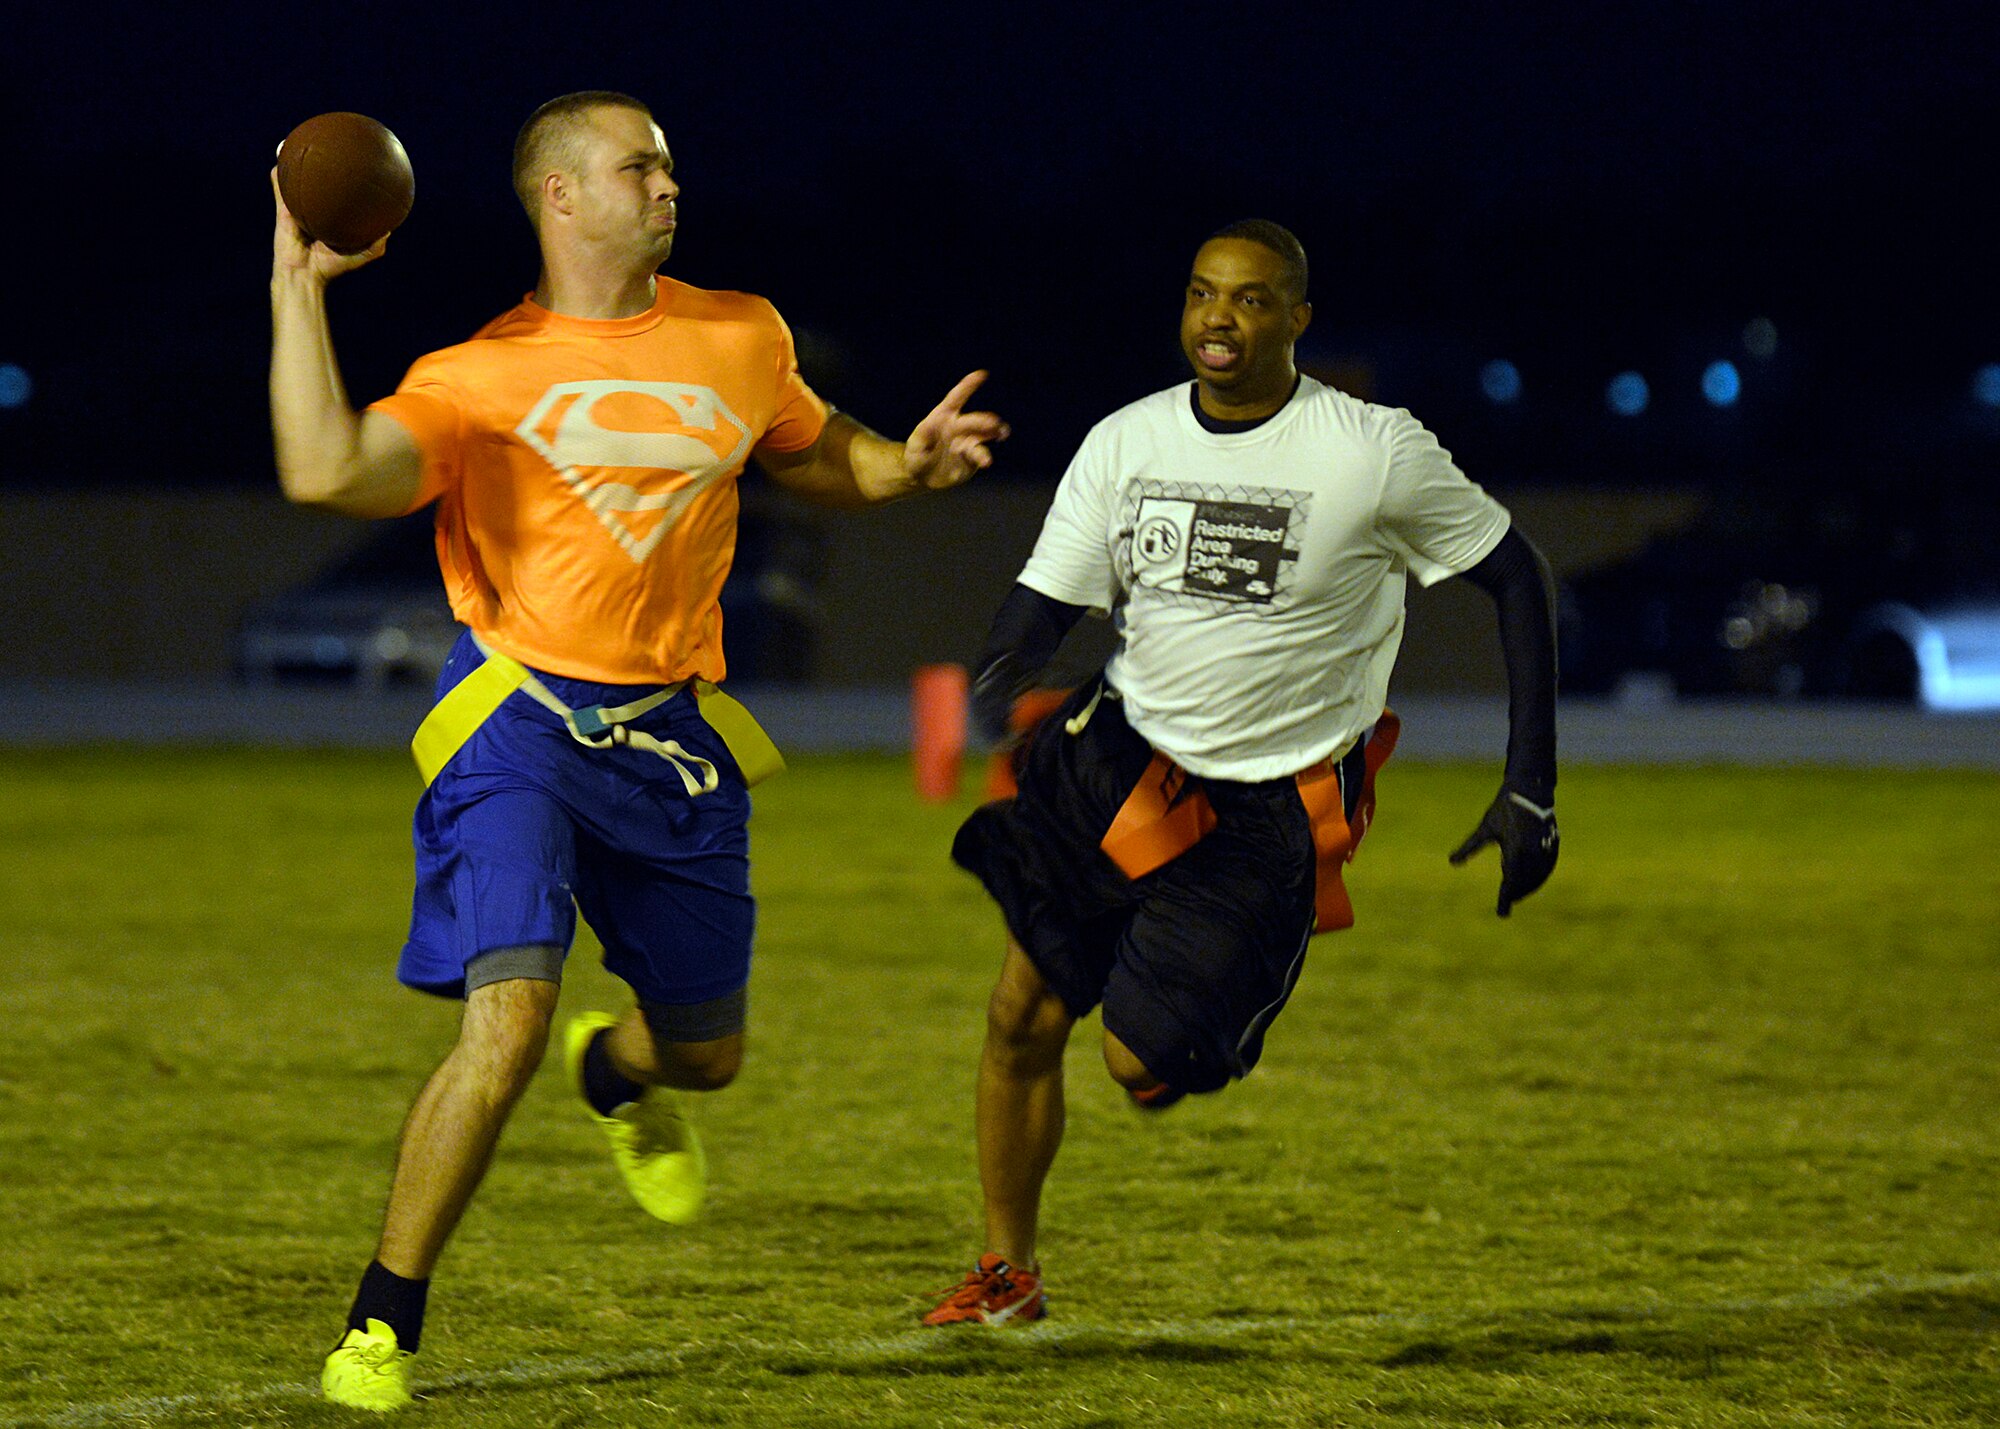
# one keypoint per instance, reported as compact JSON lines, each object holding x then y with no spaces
{"x":585,"y":474}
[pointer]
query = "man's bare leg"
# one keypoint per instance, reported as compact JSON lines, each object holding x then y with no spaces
{"x":1020,"y":1104}
{"x":456,"y":1121}
{"x":690,"y":1066}
{"x":1125,"y":1067}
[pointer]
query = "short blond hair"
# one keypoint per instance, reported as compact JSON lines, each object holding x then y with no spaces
{"x":552,"y":139}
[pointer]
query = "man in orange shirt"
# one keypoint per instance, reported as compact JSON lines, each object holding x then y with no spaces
{"x":582,"y":451}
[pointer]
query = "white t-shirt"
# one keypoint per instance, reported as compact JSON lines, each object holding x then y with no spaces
{"x":1257,"y":577}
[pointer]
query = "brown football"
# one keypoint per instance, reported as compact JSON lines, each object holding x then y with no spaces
{"x":346,"y":179}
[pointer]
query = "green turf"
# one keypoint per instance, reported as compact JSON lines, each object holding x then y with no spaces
{"x":1708,"y":1133}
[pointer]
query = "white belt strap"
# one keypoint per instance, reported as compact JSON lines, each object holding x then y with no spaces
{"x":599,"y":727}
{"x":1076,"y":723}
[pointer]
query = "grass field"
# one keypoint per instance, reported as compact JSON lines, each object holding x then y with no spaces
{"x":1708,"y":1133}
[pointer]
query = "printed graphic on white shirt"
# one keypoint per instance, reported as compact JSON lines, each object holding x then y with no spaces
{"x":1236,"y":544}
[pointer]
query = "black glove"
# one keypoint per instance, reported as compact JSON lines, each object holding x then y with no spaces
{"x":1027,"y":629}
{"x":1526,"y":833}
{"x":994,"y":691}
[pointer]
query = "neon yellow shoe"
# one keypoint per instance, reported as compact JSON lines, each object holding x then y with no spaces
{"x":652,"y":1141}
{"x":368,"y":1371}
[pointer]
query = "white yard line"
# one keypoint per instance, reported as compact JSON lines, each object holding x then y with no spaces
{"x":589,"y":1367}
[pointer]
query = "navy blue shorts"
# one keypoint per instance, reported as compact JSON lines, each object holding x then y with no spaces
{"x":1192,"y":961}
{"x":525,"y":826}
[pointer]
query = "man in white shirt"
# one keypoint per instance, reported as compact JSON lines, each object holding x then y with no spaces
{"x":1182,"y":822}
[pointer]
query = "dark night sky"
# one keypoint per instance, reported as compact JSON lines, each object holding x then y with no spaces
{"x":1020,"y":186}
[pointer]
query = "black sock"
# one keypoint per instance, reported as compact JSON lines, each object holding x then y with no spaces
{"x":396,"y":1302}
{"x":604,"y":1086}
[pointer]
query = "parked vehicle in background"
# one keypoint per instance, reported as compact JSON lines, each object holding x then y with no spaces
{"x":1787,"y":601}
{"x":376,"y":618}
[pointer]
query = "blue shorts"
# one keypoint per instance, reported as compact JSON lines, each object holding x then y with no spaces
{"x":525,"y":826}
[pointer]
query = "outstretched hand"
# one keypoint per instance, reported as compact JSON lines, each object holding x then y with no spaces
{"x":1529,"y":843}
{"x":951,"y":444}
{"x":292,"y":251}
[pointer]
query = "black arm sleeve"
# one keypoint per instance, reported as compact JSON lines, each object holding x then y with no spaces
{"x":1515,"y":574}
{"x":1027,"y":629}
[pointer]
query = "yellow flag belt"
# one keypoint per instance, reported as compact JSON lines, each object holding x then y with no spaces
{"x":472,"y":701}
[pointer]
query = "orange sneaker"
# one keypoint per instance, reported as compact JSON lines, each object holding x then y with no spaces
{"x":992,"y":1293}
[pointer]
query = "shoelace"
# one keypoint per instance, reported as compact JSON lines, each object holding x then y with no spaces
{"x":376,"y":1356}
{"x":972,"y":1289}
{"x":644,"y":1136}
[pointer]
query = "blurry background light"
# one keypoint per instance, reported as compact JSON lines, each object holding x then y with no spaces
{"x":1760,"y":338}
{"x":1627,"y":394}
{"x":15,"y":385}
{"x":1986,"y":385}
{"x":1721,"y":384}
{"x":1500,"y":380}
